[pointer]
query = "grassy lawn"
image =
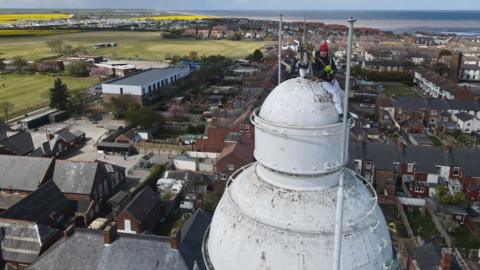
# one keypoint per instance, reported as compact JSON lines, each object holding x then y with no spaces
{"x":399,"y":90}
{"x":391,"y":215}
{"x":29,"y":92}
{"x":436,"y":141}
{"x":464,"y":238}
{"x":422,"y":226}
{"x":139,"y":45}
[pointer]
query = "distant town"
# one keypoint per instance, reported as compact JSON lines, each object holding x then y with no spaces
{"x":119,"y":132}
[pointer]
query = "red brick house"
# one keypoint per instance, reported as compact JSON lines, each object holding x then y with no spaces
{"x":89,"y":184}
{"x":235,"y":155}
{"x":141,"y":214}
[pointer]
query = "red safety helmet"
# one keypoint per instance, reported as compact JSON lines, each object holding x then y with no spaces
{"x":324,"y":47}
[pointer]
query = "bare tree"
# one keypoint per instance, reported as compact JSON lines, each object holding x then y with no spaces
{"x":6,"y":107}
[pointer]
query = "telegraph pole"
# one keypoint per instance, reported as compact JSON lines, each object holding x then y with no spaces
{"x":280,"y":45}
{"x":340,"y":195}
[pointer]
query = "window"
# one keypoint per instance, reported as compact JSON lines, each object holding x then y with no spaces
{"x":241,"y":128}
{"x":358,"y":165}
{"x":396,"y":166}
{"x":223,"y":176}
{"x":419,"y":189}
{"x":456,"y":171}
{"x":434,"y":112}
{"x":121,"y":91}
{"x":410,"y":167}
{"x":368,"y":165}
{"x":247,"y":128}
{"x":149,"y":88}
{"x":231,"y":167}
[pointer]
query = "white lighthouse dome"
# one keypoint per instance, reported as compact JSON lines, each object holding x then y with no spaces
{"x":279,"y":213}
{"x":291,"y":104}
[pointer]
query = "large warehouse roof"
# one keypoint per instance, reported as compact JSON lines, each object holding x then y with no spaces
{"x":147,"y":76}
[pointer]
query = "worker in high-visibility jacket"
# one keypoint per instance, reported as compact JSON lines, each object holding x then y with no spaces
{"x":324,"y":71}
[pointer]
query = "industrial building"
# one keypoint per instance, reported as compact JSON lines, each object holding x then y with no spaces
{"x":143,"y":86}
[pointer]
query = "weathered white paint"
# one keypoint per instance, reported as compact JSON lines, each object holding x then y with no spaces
{"x":279,"y":213}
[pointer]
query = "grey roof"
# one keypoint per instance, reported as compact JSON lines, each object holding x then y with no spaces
{"x":464,"y":116}
{"x":20,"y":144}
{"x":192,"y":233}
{"x":438,"y":104}
{"x":37,"y":206}
{"x":85,"y":249}
{"x":75,"y":177}
{"x":426,"y":158}
{"x":23,"y":173}
{"x":78,"y":133}
{"x":410,"y":103}
{"x":143,"y":204}
{"x":383,"y":155}
{"x":466,"y":158}
{"x":147,"y":77}
{"x":23,"y":241}
{"x":66,"y":135}
{"x":427,"y":256}
{"x":463,"y":105}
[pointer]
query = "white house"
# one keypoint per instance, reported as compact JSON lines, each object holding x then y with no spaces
{"x":466,"y":122}
{"x":143,"y":84}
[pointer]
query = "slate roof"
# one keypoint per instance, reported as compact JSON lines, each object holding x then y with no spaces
{"x":192,"y":233}
{"x":23,"y":173}
{"x":410,"y":103}
{"x":143,"y":204}
{"x":85,"y":249}
{"x":464,"y":116}
{"x":463,"y":105}
{"x":66,"y":135}
{"x":428,"y":257}
{"x":75,"y":177}
{"x":147,"y":77}
{"x":25,"y":224}
{"x":20,"y":144}
{"x":37,"y":206}
{"x":466,"y":158}
{"x":382,"y":155}
{"x":426,"y":158}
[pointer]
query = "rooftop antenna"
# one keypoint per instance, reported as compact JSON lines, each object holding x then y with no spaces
{"x":340,"y":195}
{"x":280,"y":45}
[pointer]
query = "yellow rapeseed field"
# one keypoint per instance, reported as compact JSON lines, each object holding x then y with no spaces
{"x":25,"y":32}
{"x":174,"y":18}
{"x":15,"y":17}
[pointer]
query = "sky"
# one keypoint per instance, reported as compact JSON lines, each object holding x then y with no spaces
{"x":250,"y":4}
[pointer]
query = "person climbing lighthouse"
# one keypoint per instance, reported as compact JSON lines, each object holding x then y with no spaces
{"x":324,"y":71}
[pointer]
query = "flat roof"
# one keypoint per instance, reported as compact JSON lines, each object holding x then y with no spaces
{"x":43,"y":114}
{"x":146,"y":77}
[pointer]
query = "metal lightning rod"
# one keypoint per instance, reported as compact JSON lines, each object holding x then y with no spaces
{"x":340,"y":195}
{"x":280,"y":45}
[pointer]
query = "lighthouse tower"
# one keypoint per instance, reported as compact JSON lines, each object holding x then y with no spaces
{"x":279,"y":213}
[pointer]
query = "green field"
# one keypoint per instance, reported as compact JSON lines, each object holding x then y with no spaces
{"x":399,"y":90}
{"x":29,"y":92}
{"x":138,"y":45}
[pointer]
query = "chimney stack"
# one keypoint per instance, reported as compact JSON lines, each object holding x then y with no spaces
{"x":175,"y":236}
{"x":109,"y":233}
{"x":446,"y":259}
{"x":213,"y":122}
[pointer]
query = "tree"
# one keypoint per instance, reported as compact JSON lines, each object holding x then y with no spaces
{"x":121,"y":104}
{"x":19,"y":63}
{"x":444,"y":52}
{"x":59,"y":95}
{"x":55,"y":46}
{"x":145,"y":118}
{"x":177,"y":111}
{"x":6,"y":107}
{"x":257,"y":55}
{"x":78,"y":69}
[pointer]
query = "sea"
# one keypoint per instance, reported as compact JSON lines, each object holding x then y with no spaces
{"x":464,"y":23}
